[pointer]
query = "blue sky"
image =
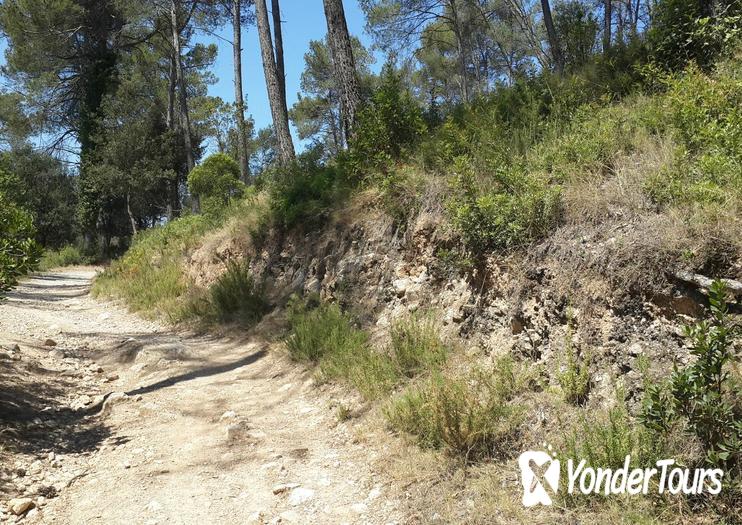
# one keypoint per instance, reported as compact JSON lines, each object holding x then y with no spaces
{"x":303,"y":20}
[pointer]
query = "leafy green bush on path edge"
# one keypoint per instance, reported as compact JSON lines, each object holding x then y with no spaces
{"x":19,"y":252}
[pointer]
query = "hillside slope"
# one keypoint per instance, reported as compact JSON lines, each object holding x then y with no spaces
{"x":557,"y":280}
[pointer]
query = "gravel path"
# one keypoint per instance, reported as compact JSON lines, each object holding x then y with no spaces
{"x":193,"y":430}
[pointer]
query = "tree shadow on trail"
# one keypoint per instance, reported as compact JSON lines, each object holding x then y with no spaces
{"x":201,"y":372}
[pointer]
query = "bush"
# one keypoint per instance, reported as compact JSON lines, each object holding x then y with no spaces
{"x":703,"y":114}
{"x":216,"y":181}
{"x":682,"y":32}
{"x":321,"y":329}
{"x":390,"y":123}
{"x":702,"y":397}
{"x":304,"y":192}
{"x":518,"y":209}
{"x":574,"y":378}
{"x":324,"y":335}
{"x":416,"y":345}
{"x":236,"y":297}
{"x":605,"y":440}
{"x":19,"y":253}
{"x":67,"y":256}
{"x":471,"y":416}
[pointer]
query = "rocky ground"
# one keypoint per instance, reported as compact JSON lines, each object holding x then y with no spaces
{"x":108,"y":418}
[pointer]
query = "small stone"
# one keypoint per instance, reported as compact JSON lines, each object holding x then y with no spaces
{"x":20,"y":506}
{"x":81,"y":402}
{"x":300,"y":495}
{"x":114,"y":399}
{"x":35,"y":467}
{"x":154,"y":506}
{"x":111,"y":377}
{"x":359,"y":508}
{"x":279,"y":489}
{"x":50,"y":342}
{"x":375,"y":493}
{"x":237,"y":431}
{"x":229,"y":414}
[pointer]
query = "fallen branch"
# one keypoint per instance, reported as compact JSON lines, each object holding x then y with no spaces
{"x":734,"y":287}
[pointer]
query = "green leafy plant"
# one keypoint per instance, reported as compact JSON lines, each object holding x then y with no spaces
{"x":390,"y":123}
{"x":518,"y":209}
{"x":702,"y":396}
{"x":216,"y":181}
{"x":67,"y":256}
{"x":304,"y":192}
{"x":19,"y":252}
{"x":469,"y":416}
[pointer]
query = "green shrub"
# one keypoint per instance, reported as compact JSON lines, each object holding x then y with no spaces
{"x":518,"y":209}
{"x":575,"y":376}
{"x":19,"y":253}
{"x":703,"y":113}
{"x":320,"y":330}
{"x":682,"y":32}
{"x":236,"y":297}
{"x":304,"y":192}
{"x":390,"y":123}
{"x":472,"y":416}
{"x":592,"y":140}
{"x":324,"y":335}
{"x":604,"y":440}
{"x":67,"y":256}
{"x":702,"y":397}
{"x":416,"y":345}
{"x":216,"y":181}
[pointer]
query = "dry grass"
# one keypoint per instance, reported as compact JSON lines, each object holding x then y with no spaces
{"x":619,"y":194}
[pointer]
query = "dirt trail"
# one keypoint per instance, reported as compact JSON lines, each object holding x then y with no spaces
{"x":208,"y":431}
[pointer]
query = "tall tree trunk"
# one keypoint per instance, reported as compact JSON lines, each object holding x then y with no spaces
{"x":238,"y":95}
{"x":460,"y":51}
{"x":635,"y":20}
{"x":556,"y":50}
{"x":173,"y":203}
{"x":278,"y":38}
{"x":171,"y":83}
{"x":132,"y":220}
{"x":344,"y":67}
{"x":185,"y":119}
{"x":607,"y":24}
{"x":279,"y":111}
